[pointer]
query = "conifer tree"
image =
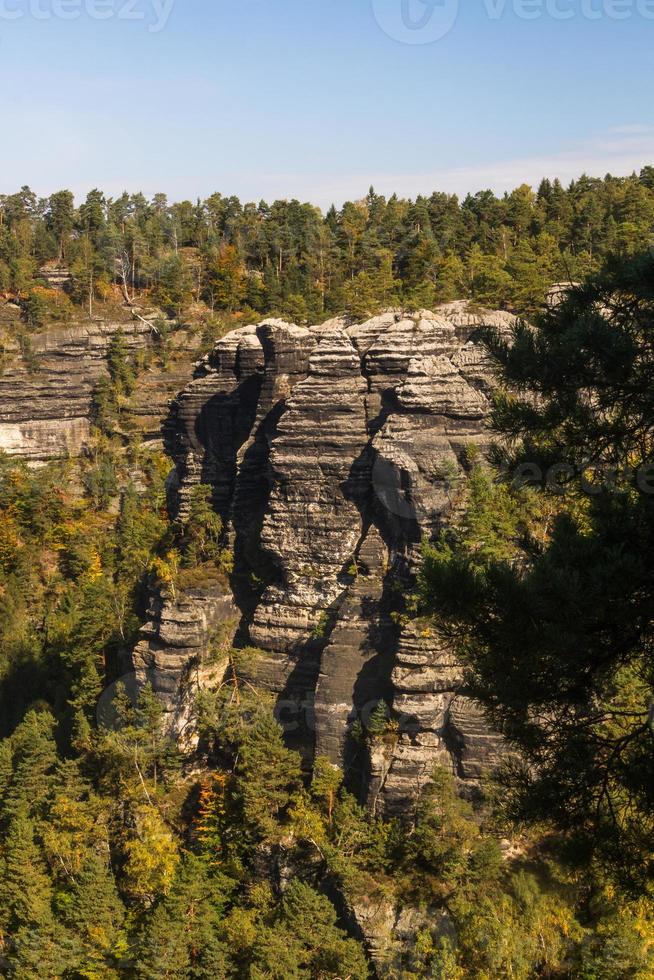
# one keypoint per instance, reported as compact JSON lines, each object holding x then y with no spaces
{"x":558,"y":640}
{"x":95,"y":914}
{"x":25,"y":885}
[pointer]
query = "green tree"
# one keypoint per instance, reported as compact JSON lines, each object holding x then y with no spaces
{"x":121,"y":371}
{"x":60,"y":219}
{"x":558,"y":641}
{"x":269,"y":774}
{"x":95,"y":914}
{"x":25,"y":885}
{"x":34,"y":756}
{"x":172,"y":291}
{"x":198,"y":899}
{"x":303,"y":940}
{"x":489,"y":282}
{"x":225,"y":279}
{"x":360,"y":297}
{"x":111,"y":398}
{"x":202,"y":529}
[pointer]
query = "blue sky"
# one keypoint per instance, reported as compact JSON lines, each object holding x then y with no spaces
{"x":313,"y":99}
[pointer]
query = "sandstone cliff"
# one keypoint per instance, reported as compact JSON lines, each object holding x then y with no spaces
{"x":47,"y":381}
{"x":333,"y":451}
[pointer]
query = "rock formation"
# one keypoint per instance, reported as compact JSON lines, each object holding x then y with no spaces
{"x":47,"y":383}
{"x":184,"y":646}
{"x":333,"y":452}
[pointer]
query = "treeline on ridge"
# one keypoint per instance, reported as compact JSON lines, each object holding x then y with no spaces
{"x":289,"y":258}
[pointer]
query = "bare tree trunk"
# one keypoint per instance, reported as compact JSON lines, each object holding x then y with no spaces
{"x":91,"y":294}
{"x":125,"y":266}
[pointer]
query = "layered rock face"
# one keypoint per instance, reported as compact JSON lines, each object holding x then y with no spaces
{"x":333,"y":452}
{"x":46,"y":388}
{"x":184,"y":646}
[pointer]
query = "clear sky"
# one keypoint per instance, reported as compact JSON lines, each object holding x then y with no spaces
{"x":318,"y":99}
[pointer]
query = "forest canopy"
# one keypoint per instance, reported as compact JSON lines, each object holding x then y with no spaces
{"x":289,"y":258}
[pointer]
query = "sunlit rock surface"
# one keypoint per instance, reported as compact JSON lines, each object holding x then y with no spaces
{"x":334,"y":451}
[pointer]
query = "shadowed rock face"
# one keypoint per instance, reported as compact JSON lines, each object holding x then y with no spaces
{"x":333,"y":452}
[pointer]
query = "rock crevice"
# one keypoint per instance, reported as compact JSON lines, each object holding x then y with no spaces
{"x":333,"y":452}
